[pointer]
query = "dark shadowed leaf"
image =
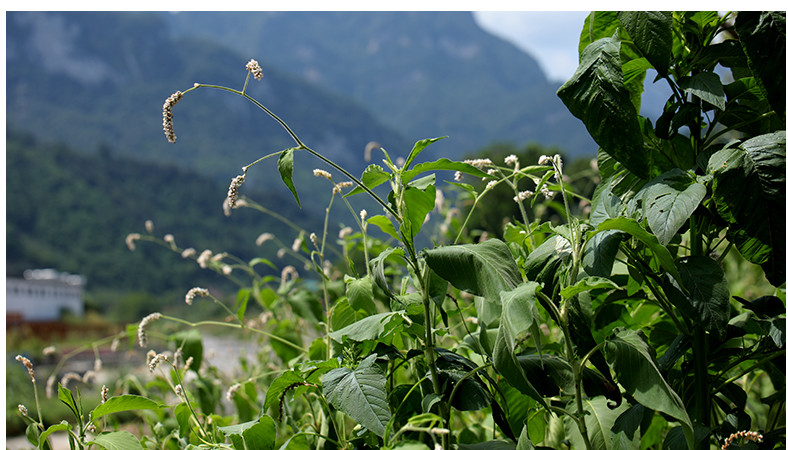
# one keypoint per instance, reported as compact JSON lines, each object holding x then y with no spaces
{"x":706,"y":86}
{"x":596,"y":94}
{"x":651,"y":31}
{"x":707,"y":289}
{"x":631,"y":358}
{"x":749,"y":192}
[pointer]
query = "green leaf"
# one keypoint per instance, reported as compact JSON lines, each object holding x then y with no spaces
{"x":120,"y":403}
{"x":418,"y":147}
{"x":360,"y":393}
{"x":588,"y":284}
{"x":442,"y":164}
{"x":632,"y":227}
{"x":484,"y":269}
{"x":117,"y":440}
{"x":373,"y":176}
{"x":705,"y":85}
{"x":524,"y":443}
{"x":599,"y":253}
{"x":762,"y":34}
{"x":378,"y":267}
{"x":286,"y":172}
{"x":62,"y":426}
{"x":596,"y":95}
{"x":519,"y":314}
{"x":279,"y":387}
{"x":417,"y":204}
{"x":385,"y":225}
{"x":669,"y":200}
{"x":631,"y":358}
{"x":182,"y":416}
{"x":652,"y":33}
{"x":707,"y":289}
{"x":368,"y":328}
{"x":242,"y":299}
{"x":261,"y":435}
{"x":599,"y":421}
{"x":65,"y":396}
{"x":748,"y":190}
{"x":359,"y":293}
{"x":598,"y":25}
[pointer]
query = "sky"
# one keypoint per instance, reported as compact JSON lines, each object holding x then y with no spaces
{"x":551,"y":37}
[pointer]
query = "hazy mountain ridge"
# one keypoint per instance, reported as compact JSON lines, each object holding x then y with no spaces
{"x":424,"y":73}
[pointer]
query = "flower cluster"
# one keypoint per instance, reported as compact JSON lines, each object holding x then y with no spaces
{"x":745,"y":435}
{"x":232,"y":191}
{"x":254,"y":67}
{"x":142,"y":328}
{"x":322,"y":173}
{"x":196,"y":292}
{"x":167,"y":114}
{"x":28,"y":365}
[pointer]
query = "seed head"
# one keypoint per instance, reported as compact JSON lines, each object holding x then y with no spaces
{"x":232,"y":192}
{"x":50,"y":350}
{"x":363,"y":214}
{"x":263,"y":238}
{"x":179,"y":390}
{"x":231,"y":391}
{"x":28,"y":365}
{"x":254,"y":67}
{"x":156,"y":360}
{"x":196,"y":292}
{"x":341,"y":185}
{"x":479,"y":163}
{"x":345,"y":232}
{"x":522,"y":195}
{"x":511,"y":160}
{"x":149,"y":226}
{"x":544,"y":160}
{"x":70,"y":376}
{"x":22,"y":409}
{"x":204,"y":258}
{"x":104,"y":393}
{"x":167,"y":115}
{"x":744,"y":435}
{"x":322,"y":173}
{"x":142,"y":328}
{"x":130,"y":239}
{"x":188,"y":253}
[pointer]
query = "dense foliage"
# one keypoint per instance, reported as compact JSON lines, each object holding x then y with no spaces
{"x":624,"y":328}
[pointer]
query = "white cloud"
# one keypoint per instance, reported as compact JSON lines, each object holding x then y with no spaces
{"x":551,"y":37}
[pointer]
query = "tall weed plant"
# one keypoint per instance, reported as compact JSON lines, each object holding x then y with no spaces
{"x":612,"y":329}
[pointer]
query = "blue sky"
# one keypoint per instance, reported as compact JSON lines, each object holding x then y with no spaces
{"x":549,"y":36}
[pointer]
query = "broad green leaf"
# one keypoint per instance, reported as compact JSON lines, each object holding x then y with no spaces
{"x":749,"y":192}
{"x":360,"y":393}
{"x":385,"y":225}
{"x":637,"y":372}
{"x":599,"y":420}
{"x":117,"y":440}
{"x":417,"y":204}
{"x":418,"y":147}
{"x":120,"y":403}
{"x":442,"y":164}
{"x":368,"y":328}
{"x":372,"y":177}
{"x":489,"y":445}
{"x":625,"y":433}
{"x":588,"y":284}
{"x":632,"y":227}
{"x":706,"y":86}
{"x":669,"y":200}
{"x":261,"y":435}
{"x":182,"y":415}
{"x":596,"y":95}
{"x":359,"y":293}
{"x":634,"y":73}
{"x":652,"y":33}
{"x":286,"y":172}
{"x":411,"y":445}
{"x":62,"y":426}
{"x":623,"y":183}
{"x":599,"y":253}
{"x":242,"y":299}
{"x":519,"y":314}
{"x":484,"y":269}
{"x":707,"y":289}
{"x":543,"y":264}
{"x":378,"y":267}
{"x":597,"y":25}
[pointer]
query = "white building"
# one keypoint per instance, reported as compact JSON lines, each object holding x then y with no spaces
{"x":43,"y":295}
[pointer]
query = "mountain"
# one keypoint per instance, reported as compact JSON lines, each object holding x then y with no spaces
{"x":422,"y":73}
{"x":72,"y":211}
{"x":87,"y":79}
